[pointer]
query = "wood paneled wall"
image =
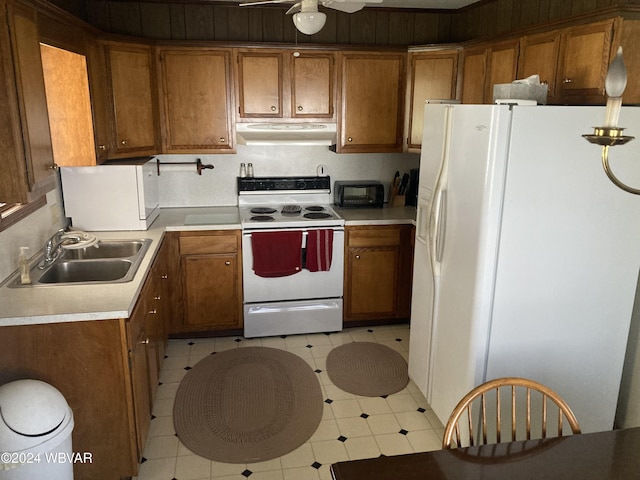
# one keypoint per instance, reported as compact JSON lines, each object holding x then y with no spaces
{"x":492,"y":17}
{"x":225,"y":21}
{"x":228,"y":22}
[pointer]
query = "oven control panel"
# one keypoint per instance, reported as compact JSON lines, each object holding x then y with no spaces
{"x":279,"y":184}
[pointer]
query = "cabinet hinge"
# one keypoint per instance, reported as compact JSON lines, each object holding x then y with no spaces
{"x":130,"y":360}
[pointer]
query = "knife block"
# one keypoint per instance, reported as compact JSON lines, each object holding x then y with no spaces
{"x":398,"y":201}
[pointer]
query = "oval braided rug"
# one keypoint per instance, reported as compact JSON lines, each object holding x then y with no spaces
{"x":368,"y":369}
{"x":247,"y":405}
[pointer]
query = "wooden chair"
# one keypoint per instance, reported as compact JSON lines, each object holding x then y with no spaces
{"x":499,"y":398}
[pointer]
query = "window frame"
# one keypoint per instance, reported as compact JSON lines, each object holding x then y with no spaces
{"x":12,"y":213}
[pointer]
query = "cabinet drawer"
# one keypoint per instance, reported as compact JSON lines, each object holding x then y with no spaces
{"x":197,"y":245}
{"x":376,"y":237}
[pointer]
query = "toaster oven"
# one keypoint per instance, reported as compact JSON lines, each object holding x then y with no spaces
{"x":354,"y":194}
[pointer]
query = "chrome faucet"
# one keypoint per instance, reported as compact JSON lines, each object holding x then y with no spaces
{"x":52,"y":248}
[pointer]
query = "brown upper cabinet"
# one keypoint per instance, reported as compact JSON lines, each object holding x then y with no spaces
{"x":488,"y":65}
{"x":539,"y":56}
{"x":285,"y":84}
{"x":474,"y":71}
{"x":33,"y":169}
{"x":196,"y":100}
{"x":432,"y":75}
{"x":131,"y":69}
{"x":69,"y":105}
{"x":584,"y":62}
{"x":372,"y":89}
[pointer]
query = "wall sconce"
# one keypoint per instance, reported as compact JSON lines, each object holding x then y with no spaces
{"x":610,"y":135}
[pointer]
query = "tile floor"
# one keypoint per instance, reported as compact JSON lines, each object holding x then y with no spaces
{"x":353,"y":427}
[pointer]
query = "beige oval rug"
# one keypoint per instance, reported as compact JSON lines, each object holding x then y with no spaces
{"x":247,"y":405}
{"x":368,"y":369}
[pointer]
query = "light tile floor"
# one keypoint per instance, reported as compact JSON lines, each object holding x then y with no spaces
{"x":353,"y":427}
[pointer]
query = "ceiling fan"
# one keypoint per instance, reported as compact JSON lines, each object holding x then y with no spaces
{"x":306,"y":16}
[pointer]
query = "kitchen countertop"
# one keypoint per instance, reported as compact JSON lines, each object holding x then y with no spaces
{"x":377,"y":216}
{"x":68,"y":303}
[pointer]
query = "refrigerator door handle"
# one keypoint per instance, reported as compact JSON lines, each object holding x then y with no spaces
{"x":441,"y":227}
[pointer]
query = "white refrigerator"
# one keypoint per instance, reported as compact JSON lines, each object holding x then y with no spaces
{"x":526,"y":257}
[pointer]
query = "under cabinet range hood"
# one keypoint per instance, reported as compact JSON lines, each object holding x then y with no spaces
{"x":286,"y":133}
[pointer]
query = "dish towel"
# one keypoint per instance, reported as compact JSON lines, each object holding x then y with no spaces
{"x":319,"y":250}
{"x":277,"y":254}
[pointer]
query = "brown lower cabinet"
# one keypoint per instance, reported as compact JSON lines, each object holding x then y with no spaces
{"x":378,"y":273}
{"x":107,"y":371}
{"x":210,"y":270}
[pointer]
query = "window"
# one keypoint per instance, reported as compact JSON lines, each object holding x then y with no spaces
{"x":11,"y":213}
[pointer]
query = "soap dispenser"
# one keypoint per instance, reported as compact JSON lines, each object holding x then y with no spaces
{"x":23,"y":262}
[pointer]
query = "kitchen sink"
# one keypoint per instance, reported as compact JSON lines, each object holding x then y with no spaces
{"x":109,"y":261}
{"x":106,"y":249}
{"x":86,"y":271}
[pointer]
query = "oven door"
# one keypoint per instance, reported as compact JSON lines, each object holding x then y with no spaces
{"x":300,"y":286}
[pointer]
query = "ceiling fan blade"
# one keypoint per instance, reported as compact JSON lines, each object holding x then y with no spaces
{"x":262,"y":2}
{"x":342,"y":6}
{"x":294,"y":8}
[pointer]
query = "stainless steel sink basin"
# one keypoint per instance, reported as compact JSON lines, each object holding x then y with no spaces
{"x":106,"y":249}
{"x":86,"y":271}
{"x":110,"y":261}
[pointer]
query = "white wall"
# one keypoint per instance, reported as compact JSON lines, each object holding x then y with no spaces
{"x":32,"y":232}
{"x":181,"y":186}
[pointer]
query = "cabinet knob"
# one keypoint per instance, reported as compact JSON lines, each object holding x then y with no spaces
{"x":102,"y":147}
{"x":164,"y":276}
{"x":222,"y":139}
{"x":54,"y":167}
{"x":349,"y":139}
{"x":227,"y":263}
{"x":273,"y":108}
{"x":300,"y":108}
{"x":158,"y":297}
{"x":153,"y":312}
{"x":144,"y":342}
{"x":357,"y":257}
{"x":123,"y":142}
{"x":567,"y":80}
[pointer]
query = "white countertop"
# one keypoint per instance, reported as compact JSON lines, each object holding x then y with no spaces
{"x":69,"y":303}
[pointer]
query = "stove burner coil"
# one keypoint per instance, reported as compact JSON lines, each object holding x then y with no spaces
{"x":291,"y":209}
{"x":315,"y":208}
{"x":262,"y":218}
{"x":263,"y":210}
{"x":317,"y":215}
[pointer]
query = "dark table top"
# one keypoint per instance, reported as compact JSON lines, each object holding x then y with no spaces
{"x":591,"y":456}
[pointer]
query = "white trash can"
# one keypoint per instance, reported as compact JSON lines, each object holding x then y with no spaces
{"x":35,"y":432}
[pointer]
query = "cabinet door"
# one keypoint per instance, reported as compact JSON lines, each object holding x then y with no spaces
{"x":197,"y":106}
{"x":260,"y":84}
{"x":69,"y":105}
{"x":312,"y":85}
{"x":212,"y":291}
{"x":32,"y":99}
{"x":502,"y":60}
{"x":474,"y":74}
{"x":433,"y":76}
{"x":372,"y":102}
{"x":99,"y":99}
{"x":372,"y":282}
{"x":139,"y":365}
{"x":133,"y":97}
{"x":586,"y":60}
{"x":539,"y":56}
{"x":212,"y":280}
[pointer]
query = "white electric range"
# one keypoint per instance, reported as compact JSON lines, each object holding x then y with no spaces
{"x":305,"y":301}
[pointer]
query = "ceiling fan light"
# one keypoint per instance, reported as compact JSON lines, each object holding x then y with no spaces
{"x":309,"y":22}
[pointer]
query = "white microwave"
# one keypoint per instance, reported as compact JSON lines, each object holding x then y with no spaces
{"x":117,"y":195}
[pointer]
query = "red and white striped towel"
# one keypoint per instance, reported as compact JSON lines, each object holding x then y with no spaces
{"x":319,"y":250}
